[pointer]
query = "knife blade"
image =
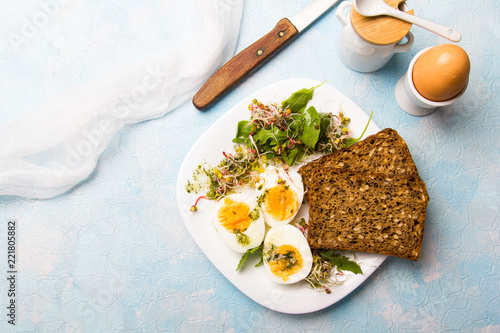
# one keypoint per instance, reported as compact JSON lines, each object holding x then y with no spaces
{"x":248,"y":60}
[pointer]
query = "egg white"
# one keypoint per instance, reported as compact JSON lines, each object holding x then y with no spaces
{"x":255,"y":232}
{"x":268,"y":180}
{"x":288,"y":235}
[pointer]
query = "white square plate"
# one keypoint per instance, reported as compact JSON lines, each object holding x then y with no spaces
{"x":253,"y":281}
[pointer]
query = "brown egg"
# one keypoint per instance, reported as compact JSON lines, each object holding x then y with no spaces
{"x":441,"y":72}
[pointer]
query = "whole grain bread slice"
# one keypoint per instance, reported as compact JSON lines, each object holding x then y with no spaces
{"x":384,"y":152}
{"x":367,"y":212}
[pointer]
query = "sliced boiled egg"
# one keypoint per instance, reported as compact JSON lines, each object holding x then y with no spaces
{"x":239,"y":221}
{"x":279,"y":194}
{"x":287,"y":256}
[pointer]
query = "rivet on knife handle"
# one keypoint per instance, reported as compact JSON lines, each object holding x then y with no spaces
{"x":244,"y":63}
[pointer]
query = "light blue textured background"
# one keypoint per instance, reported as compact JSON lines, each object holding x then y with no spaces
{"x":113,"y":254}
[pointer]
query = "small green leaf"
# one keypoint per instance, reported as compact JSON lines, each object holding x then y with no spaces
{"x":325,"y":122}
{"x":343,"y":263}
{"x":272,"y":137}
{"x":242,"y":260}
{"x":290,"y":156}
{"x":312,"y":128}
{"x":247,"y":254}
{"x":270,"y":155}
{"x":242,"y":132}
{"x":350,"y":141}
{"x":299,"y":99}
{"x":261,"y":262}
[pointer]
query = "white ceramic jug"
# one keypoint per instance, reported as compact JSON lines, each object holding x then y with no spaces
{"x":361,"y":55}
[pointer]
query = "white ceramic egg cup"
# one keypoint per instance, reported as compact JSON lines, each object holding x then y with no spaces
{"x":409,"y":98}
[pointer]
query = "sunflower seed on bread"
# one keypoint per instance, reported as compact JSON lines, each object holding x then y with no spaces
{"x":367,"y":212}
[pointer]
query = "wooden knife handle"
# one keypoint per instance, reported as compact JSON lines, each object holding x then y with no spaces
{"x":244,"y":63}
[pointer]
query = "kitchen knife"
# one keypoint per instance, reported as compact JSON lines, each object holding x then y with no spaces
{"x":253,"y":56}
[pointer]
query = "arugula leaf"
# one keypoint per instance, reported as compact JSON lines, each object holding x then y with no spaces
{"x":270,"y":155}
{"x":242,"y":260}
{"x":324,"y":125}
{"x":301,"y":155}
{"x":242,"y":132}
{"x":343,"y":263}
{"x":291,"y":155}
{"x":350,"y":141}
{"x":299,"y":99}
{"x":248,"y":253}
{"x":275,"y":135}
{"x":312,"y":127}
{"x":261,"y":262}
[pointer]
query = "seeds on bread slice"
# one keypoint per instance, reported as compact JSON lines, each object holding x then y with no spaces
{"x":384,"y":152}
{"x":367,"y":212}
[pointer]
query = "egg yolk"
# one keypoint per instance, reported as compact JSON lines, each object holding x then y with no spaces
{"x":281,"y":202}
{"x":285,"y":261}
{"x":234,"y":216}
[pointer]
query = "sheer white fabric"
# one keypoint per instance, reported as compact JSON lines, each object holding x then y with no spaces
{"x":56,"y":145}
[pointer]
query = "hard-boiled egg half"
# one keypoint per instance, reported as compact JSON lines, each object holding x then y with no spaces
{"x":287,"y":256}
{"x":239,"y":222}
{"x":279,"y":194}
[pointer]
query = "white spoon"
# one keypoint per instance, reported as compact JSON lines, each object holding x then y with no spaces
{"x":379,"y":7}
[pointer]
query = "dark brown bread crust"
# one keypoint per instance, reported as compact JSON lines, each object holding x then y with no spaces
{"x":384,"y":152}
{"x":367,"y":212}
